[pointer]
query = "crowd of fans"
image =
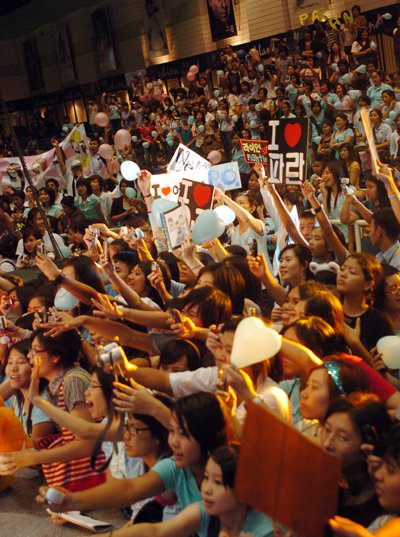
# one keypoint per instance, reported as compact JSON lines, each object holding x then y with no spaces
{"x":116,"y":358}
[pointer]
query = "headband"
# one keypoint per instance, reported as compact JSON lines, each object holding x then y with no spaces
{"x":333,"y":371}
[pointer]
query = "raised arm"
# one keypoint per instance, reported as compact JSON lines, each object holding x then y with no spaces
{"x":241,"y":214}
{"x":338,"y":248}
{"x":259,"y":268}
{"x":285,"y":217}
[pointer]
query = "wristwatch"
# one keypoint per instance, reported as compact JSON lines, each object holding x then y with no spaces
{"x":316,"y":210}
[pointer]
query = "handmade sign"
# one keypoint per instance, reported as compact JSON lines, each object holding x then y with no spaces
{"x":166,"y":185}
{"x":225,"y":176}
{"x":287,"y":150}
{"x":187,"y":161}
{"x":255,"y":151}
{"x":175,"y":224}
{"x":369,"y":133}
{"x":289,"y":478}
{"x":319,"y":14}
{"x":196,"y":197}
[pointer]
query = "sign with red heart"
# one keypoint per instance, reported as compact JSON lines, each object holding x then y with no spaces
{"x":255,"y":151}
{"x":287,"y":149}
{"x":196,"y":196}
{"x":292,"y":133}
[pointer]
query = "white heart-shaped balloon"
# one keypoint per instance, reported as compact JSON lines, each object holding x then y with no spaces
{"x":389,"y":348}
{"x":254,"y":342}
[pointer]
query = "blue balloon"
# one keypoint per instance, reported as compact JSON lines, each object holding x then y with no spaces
{"x":200,"y":128}
{"x":146,"y":145}
{"x":191,"y":120}
{"x":159,"y":207}
{"x":207,"y":227}
{"x":165,"y":127}
{"x":134,"y":138}
{"x":241,"y":54}
{"x":170,"y":141}
{"x":130,"y":192}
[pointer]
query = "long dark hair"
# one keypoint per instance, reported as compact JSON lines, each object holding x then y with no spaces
{"x":23,"y":348}
{"x":339,"y":170}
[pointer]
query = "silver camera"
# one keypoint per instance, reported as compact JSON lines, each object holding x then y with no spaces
{"x":111,"y":355}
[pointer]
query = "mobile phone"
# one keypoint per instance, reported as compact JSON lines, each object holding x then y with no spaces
{"x":41,"y":248}
{"x":44,"y":316}
{"x":177,"y":316}
{"x":254,"y":248}
{"x":154,"y":266}
{"x":124,"y":230}
{"x":3,"y":323}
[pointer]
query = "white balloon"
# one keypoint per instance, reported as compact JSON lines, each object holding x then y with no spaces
{"x":254,"y":342}
{"x":389,"y":348}
{"x":130,"y":170}
{"x":387,"y":16}
{"x":226,"y":214}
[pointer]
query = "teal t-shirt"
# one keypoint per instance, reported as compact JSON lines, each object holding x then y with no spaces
{"x":257,"y":524}
{"x":179,"y":480}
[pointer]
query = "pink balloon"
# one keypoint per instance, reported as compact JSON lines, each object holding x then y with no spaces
{"x":214,"y":157}
{"x":190,"y":76}
{"x":101,"y":119}
{"x":122,"y":138}
{"x":106,"y":151}
{"x":194,"y":69}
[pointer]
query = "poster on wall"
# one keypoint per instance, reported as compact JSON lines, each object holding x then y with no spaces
{"x":222,"y":19}
{"x":103,"y":41}
{"x":154,"y":29}
{"x":33,"y":65}
{"x":62,"y":45}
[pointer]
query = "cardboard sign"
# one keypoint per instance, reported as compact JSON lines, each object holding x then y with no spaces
{"x":166,"y":185}
{"x":255,"y":151}
{"x":225,"y":176}
{"x":285,"y":475}
{"x":187,"y":161}
{"x":176,"y":226}
{"x":318,"y":14}
{"x":287,"y":150}
{"x":369,"y":133}
{"x":197,"y":197}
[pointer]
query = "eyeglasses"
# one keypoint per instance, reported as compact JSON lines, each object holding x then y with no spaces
{"x":134,"y":431}
{"x":392,"y":290}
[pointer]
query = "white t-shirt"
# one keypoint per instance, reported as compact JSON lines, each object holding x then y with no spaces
{"x":46,"y":239}
{"x":246,"y":238}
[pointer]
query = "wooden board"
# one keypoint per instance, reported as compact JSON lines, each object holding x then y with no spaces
{"x":285,"y":475}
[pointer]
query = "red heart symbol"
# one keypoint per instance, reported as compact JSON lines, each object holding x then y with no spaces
{"x":202,"y":195}
{"x":166,"y":190}
{"x":264,"y":150}
{"x":292,"y":134}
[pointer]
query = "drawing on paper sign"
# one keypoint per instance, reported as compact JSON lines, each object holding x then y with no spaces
{"x":186,"y":160}
{"x":176,"y":226}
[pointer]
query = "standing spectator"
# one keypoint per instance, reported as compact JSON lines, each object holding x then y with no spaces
{"x":364,"y":49}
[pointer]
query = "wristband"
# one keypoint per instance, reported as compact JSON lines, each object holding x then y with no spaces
{"x":394,"y":195}
{"x":58,"y":279}
{"x":147,"y":196}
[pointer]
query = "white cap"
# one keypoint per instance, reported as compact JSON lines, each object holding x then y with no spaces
{"x":75,"y":163}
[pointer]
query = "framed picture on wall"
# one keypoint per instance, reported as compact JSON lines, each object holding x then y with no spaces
{"x":103,"y":41}
{"x":62,"y":45}
{"x":222,"y":19}
{"x":33,"y":65}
